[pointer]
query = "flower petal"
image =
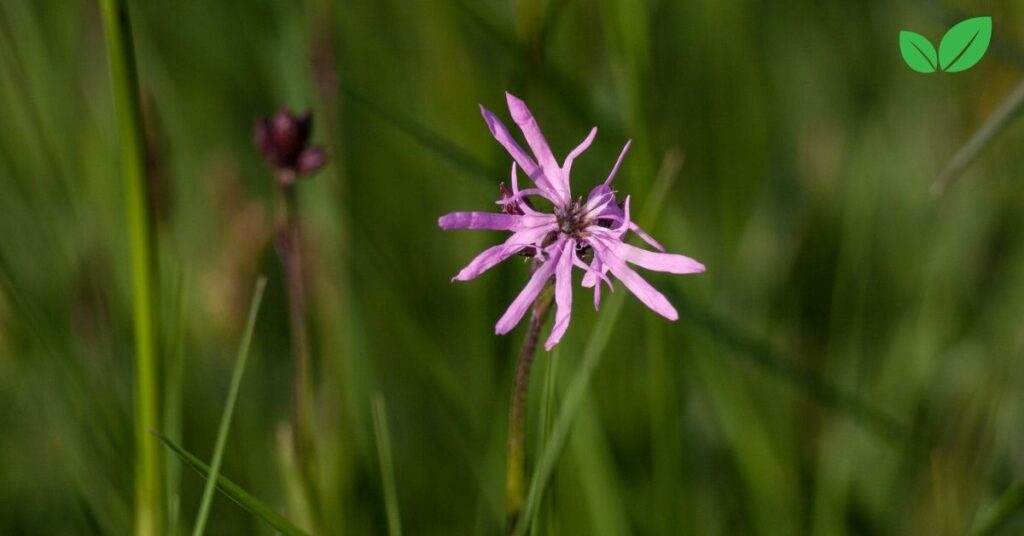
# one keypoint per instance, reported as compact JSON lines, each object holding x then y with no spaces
{"x":526,"y":297}
{"x":661,"y":262}
{"x":636,"y":284}
{"x":615,"y":169}
{"x":563,"y":294}
{"x":496,"y":221}
{"x":538,"y":144}
{"x":583,"y":146}
{"x":479,"y":220}
{"x":593,"y":273}
{"x":646,"y":237}
{"x":493,"y":255}
{"x":524,"y":160}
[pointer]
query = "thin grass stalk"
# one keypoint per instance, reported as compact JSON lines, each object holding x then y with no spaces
{"x":124,"y":80}
{"x":515,"y":477}
{"x":229,"y":409}
{"x":1004,"y":115}
{"x":174,"y":370}
{"x":387,"y":467}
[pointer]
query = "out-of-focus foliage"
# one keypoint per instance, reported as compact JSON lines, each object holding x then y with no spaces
{"x":852,"y":362}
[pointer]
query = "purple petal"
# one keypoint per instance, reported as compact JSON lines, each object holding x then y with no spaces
{"x":583,"y":146}
{"x":524,"y":160}
{"x":479,"y":220}
{"x":646,"y":237}
{"x":636,"y":284}
{"x":496,"y":221}
{"x":563,"y":294}
{"x":491,"y":256}
{"x":592,"y":273}
{"x":529,"y":293}
{"x":660,"y":262}
{"x":517,"y":196}
{"x":611,"y":176}
{"x":525,"y":207}
{"x":538,"y":144}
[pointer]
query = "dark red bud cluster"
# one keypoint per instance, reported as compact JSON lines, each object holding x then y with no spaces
{"x":284,"y":141}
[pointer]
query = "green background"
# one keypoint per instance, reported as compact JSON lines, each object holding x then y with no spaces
{"x":852,"y":362}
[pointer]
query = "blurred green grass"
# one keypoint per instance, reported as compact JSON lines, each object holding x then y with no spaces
{"x":839,"y":293}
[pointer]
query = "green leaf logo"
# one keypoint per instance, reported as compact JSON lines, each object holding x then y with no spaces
{"x":918,"y":52}
{"x":961,"y":48}
{"x":965,"y":44}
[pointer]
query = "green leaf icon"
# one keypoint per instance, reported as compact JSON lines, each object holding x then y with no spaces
{"x":918,"y":52}
{"x":965,"y":44}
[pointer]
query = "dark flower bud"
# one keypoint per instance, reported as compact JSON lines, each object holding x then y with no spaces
{"x":283,"y":139}
{"x":311,"y":159}
{"x":508,"y":207}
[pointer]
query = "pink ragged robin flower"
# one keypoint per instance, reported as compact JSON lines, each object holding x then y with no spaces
{"x":576,"y":232}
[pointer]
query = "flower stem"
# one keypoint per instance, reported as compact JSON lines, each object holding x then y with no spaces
{"x":124,"y":80}
{"x":290,"y":250}
{"x":515,"y":473}
{"x":289,"y":244}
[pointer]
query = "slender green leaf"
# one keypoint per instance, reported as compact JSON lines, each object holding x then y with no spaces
{"x":229,"y":407}
{"x":387,"y":468}
{"x":235,"y":492}
{"x":918,"y":52}
{"x":965,"y":44}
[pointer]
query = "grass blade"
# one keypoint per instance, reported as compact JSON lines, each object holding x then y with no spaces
{"x":996,"y":123}
{"x":235,"y":492}
{"x":124,"y":80}
{"x":229,"y":407}
{"x":424,"y":135}
{"x":174,"y":370}
{"x":548,"y":405}
{"x":387,"y":468}
{"x":824,"y":392}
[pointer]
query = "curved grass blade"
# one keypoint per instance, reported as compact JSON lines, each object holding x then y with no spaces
{"x":965,"y":44}
{"x":229,"y":407}
{"x":918,"y":52}
{"x":235,"y":492}
{"x":575,"y":393}
{"x":995,"y":124}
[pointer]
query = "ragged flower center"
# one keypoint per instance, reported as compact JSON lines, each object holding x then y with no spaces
{"x":572,"y":219}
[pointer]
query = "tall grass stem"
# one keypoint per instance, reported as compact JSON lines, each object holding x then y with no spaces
{"x":124,"y":81}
